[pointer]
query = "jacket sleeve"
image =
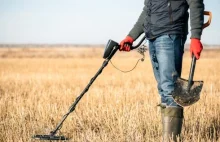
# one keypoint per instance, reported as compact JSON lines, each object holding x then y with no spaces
{"x":138,"y":28}
{"x":196,"y":17}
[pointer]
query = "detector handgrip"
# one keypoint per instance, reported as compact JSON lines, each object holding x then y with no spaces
{"x":111,"y":45}
{"x":136,"y":46}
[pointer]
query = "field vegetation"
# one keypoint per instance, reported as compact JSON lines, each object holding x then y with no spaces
{"x":37,"y":86}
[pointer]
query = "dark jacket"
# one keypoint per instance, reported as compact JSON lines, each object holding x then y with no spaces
{"x":161,"y":17}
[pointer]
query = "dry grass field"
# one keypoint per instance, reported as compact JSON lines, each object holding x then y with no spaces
{"x":37,"y":86}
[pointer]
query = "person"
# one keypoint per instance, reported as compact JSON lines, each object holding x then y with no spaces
{"x":165,"y":24}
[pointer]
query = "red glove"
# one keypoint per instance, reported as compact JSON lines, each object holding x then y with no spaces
{"x":126,"y":43}
{"x":195,"y":47}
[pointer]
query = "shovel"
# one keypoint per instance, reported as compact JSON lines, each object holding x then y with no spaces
{"x":187,"y":92}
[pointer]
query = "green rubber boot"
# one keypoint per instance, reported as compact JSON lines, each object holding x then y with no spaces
{"x":172,"y":119}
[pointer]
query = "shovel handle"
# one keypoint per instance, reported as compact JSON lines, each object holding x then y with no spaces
{"x":208,"y":13}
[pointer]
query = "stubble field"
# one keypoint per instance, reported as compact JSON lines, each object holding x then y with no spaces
{"x":38,"y":85}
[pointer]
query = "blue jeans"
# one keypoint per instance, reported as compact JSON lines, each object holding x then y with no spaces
{"x":166,"y":54}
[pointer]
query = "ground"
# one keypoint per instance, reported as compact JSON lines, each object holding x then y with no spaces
{"x":38,"y":85}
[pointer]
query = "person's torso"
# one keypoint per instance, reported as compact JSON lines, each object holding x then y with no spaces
{"x":166,"y":17}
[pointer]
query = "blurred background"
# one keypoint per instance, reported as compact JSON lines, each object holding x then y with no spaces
{"x":79,"y":21}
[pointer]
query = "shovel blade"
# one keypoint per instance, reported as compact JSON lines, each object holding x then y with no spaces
{"x":185,"y":97}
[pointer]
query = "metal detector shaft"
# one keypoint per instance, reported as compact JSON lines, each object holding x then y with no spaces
{"x":104,"y":64}
{"x":73,"y":106}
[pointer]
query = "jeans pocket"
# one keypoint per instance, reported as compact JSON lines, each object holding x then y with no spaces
{"x":172,"y":37}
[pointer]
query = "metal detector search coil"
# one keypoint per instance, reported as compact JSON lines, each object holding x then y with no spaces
{"x":49,"y":137}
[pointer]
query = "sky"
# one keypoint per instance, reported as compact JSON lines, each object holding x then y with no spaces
{"x":80,"y":21}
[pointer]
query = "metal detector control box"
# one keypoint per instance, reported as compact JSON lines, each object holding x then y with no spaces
{"x":109,"y":47}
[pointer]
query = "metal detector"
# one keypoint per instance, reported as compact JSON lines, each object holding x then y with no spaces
{"x":110,"y":49}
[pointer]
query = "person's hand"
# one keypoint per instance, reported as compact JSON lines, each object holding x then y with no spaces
{"x":196,"y":47}
{"x":126,"y":43}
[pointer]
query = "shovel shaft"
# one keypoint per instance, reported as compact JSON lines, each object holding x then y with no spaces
{"x":191,"y":74}
{"x":73,"y":106}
